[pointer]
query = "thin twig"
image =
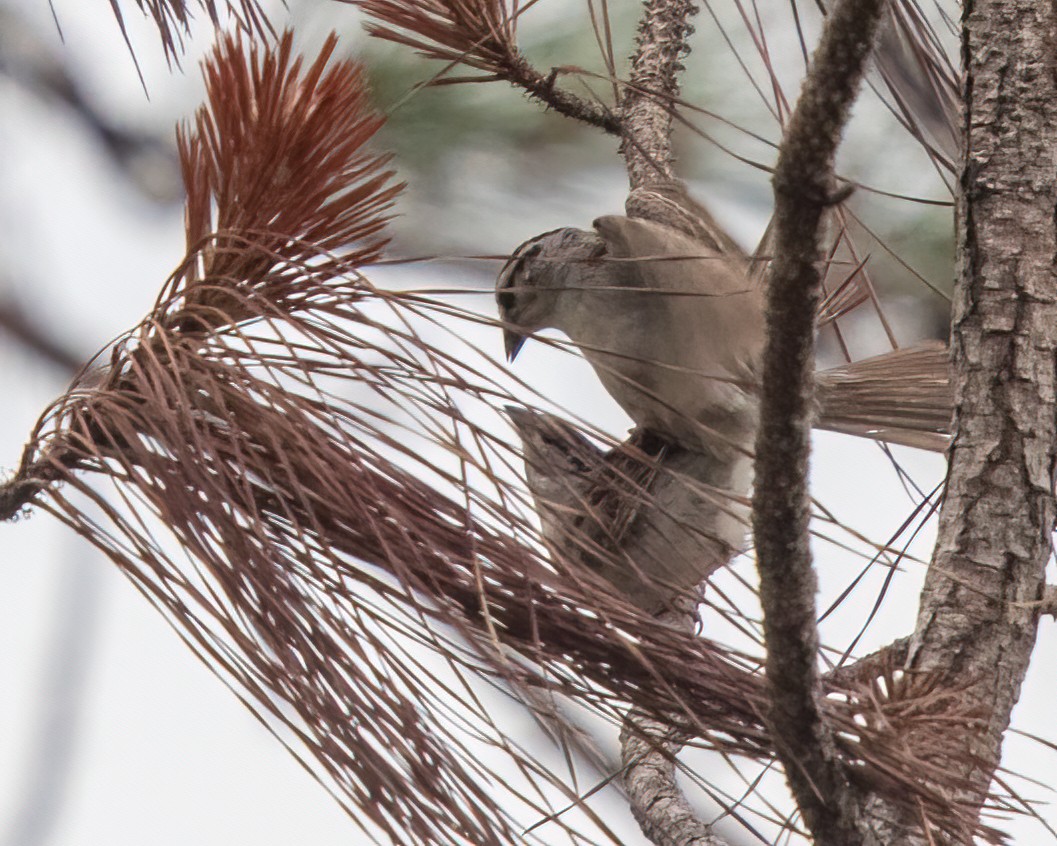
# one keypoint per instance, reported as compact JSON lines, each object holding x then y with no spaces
{"x":546,"y":91}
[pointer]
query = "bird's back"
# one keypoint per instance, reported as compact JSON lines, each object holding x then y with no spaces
{"x":675,"y":332}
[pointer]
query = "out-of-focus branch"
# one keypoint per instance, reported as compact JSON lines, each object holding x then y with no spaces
{"x":803,"y":184}
{"x":40,"y":67}
{"x":645,"y":107}
{"x":55,"y":730}
{"x":15,"y":323}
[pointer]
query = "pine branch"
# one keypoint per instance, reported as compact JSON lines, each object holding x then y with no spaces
{"x":803,"y":181}
{"x":648,"y":749}
{"x":481,"y":35}
{"x":317,"y":532}
{"x":653,"y":86}
{"x":15,"y":323}
{"x":660,"y":807}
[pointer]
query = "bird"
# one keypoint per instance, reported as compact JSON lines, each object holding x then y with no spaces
{"x":651,"y":519}
{"x":673,"y":325}
{"x":679,"y":356}
{"x":670,"y":314}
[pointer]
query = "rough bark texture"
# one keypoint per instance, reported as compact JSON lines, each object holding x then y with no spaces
{"x":646,"y":104}
{"x":657,"y":803}
{"x":977,"y":623}
{"x":803,"y":183}
{"x":647,"y":749}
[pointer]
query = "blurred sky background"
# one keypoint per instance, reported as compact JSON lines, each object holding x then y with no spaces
{"x":110,"y":730}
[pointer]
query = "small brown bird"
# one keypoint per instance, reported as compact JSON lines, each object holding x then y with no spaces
{"x":670,"y":316}
{"x":674,"y":328}
{"x":654,"y":522}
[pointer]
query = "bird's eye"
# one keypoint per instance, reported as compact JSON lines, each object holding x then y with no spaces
{"x":506,"y":300}
{"x":504,"y":294}
{"x":517,"y":275}
{"x":533,"y":249}
{"x":512,"y":276}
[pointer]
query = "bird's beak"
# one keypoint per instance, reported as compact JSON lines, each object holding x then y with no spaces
{"x":513,"y":341}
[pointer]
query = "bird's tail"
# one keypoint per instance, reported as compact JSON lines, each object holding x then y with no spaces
{"x":902,"y":397}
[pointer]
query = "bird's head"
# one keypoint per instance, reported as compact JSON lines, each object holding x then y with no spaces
{"x":531,"y":283}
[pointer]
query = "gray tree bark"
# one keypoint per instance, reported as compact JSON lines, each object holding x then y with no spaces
{"x":979,"y":609}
